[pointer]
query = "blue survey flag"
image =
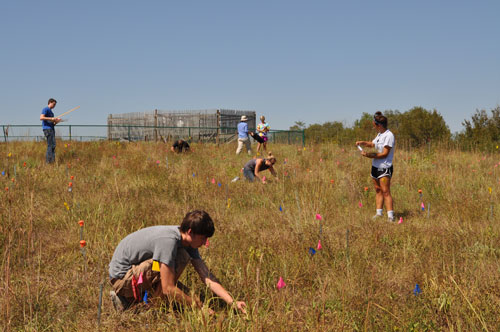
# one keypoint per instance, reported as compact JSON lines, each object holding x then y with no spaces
{"x":417,"y":290}
{"x":145,"y":298}
{"x":312,"y":251}
{"x":281,"y":209}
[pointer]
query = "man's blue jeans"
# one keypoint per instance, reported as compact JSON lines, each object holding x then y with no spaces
{"x":50,"y":156}
{"x":249,"y":174}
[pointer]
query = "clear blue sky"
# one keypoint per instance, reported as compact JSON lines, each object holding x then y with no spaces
{"x":314,"y":61}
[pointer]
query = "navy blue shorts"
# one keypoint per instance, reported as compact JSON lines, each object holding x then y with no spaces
{"x":378,"y":173}
{"x":257,"y":138}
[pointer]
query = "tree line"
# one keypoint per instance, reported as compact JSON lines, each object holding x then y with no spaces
{"x":416,"y":127}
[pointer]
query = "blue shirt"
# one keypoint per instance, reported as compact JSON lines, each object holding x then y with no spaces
{"x":48,"y":113}
{"x":242,"y":130}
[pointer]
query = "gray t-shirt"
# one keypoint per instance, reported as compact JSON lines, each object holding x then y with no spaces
{"x":251,"y":164}
{"x":157,"y":242}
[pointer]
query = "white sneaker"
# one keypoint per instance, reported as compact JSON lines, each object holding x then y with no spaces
{"x":375,"y":217}
{"x":389,"y":219}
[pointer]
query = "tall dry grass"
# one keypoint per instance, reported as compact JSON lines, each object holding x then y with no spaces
{"x":362,"y":280}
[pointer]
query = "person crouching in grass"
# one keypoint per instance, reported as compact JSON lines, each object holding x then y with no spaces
{"x":153,"y":258}
{"x":254,"y":167}
{"x":180,"y":146}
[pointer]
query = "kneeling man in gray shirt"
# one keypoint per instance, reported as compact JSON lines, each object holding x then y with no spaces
{"x":152,"y":260}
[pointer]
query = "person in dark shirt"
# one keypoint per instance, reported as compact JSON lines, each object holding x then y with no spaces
{"x":253,"y":167}
{"x":180,"y":146}
{"x":48,"y":124}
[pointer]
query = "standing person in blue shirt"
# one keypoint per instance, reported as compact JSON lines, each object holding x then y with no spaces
{"x":382,"y":168}
{"x":48,"y":123}
{"x":243,"y":138}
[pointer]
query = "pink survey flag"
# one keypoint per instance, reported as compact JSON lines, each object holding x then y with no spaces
{"x":422,"y":206}
{"x":319,"y":245}
{"x":140,"y":279}
{"x":318,"y":216}
{"x":213,"y":181}
{"x":207,"y":244}
{"x":281,"y":283}
{"x":360,"y":204}
{"x":264,"y":179}
{"x":400,"y":220}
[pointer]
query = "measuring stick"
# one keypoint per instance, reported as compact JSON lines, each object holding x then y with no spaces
{"x":71,"y":110}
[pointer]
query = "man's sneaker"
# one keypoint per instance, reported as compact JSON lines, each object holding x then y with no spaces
{"x":375,"y":217}
{"x":391,"y":219}
{"x":119,"y":302}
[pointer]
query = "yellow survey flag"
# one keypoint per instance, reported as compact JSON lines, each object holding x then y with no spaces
{"x":156,"y":266}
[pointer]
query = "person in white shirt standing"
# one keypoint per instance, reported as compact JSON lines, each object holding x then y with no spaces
{"x":382,"y":169}
{"x":262,"y":130}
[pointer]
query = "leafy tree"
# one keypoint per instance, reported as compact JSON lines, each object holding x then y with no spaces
{"x":481,"y":130}
{"x":420,"y":126}
{"x":328,"y":131}
{"x":299,"y":125}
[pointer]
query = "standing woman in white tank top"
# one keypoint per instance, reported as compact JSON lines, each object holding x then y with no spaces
{"x":382,"y":168}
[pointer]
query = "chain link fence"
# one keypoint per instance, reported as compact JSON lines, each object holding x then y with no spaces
{"x":133,"y":133}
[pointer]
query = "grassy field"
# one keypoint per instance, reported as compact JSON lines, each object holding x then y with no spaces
{"x":363,"y":278}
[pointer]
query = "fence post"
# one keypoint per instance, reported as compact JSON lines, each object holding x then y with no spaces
{"x":129,"y":133}
{"x":70,"y":133}
{"x":156,"y":125}
{"x":218,"y":127}
{"x":288,"y":137}
{"x":109,"y":124}
{"x":303,"y":137}
{"x":4,"y":137}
